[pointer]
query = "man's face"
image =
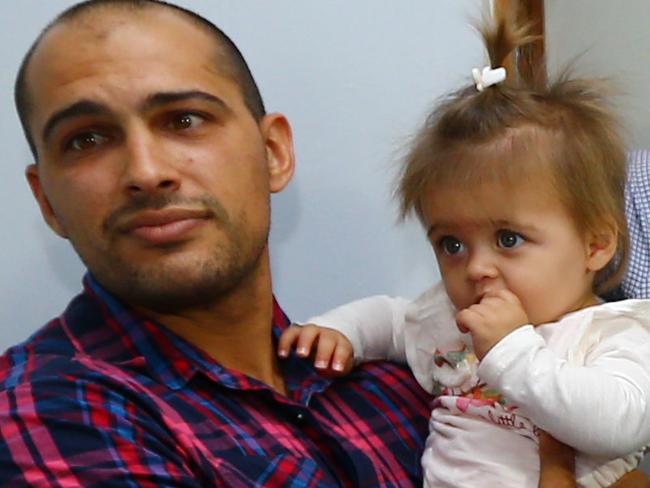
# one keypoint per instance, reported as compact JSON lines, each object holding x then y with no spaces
{"x":149,"y":161}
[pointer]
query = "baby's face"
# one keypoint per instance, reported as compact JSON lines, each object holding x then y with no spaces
{"x":521,"y":239}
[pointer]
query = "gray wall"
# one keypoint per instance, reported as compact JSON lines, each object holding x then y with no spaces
{"x":355,"y":79}
{"x":611,"y":39}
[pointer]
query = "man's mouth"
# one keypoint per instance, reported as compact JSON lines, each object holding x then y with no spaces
{"x":158,"y":227}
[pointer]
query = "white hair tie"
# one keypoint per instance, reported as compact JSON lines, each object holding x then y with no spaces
{"x":488,"y":77}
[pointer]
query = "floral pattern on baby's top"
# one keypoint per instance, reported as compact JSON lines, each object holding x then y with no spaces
{"x":459,"y":390}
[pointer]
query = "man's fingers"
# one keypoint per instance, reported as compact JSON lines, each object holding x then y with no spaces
{"x":633,"y":479}
{"x":557,"y":463}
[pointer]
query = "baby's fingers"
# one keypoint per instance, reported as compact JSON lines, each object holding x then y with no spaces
{"x":467,"y":319}
{"x":305,"y":342}
{"x":333,"y":353}
{"x":324,"y":350}
{"x":300,"y":336}
{"x":343,"y":358}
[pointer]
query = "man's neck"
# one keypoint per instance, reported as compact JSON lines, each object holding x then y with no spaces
{"x":236,"y":329}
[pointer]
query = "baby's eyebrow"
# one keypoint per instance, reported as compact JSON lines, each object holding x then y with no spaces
{"x":433,"y":228}
{"x":440,"y":228}
{"x":510,"y":224}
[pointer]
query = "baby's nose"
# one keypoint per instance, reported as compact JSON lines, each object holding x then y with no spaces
{"x":482,"y":265}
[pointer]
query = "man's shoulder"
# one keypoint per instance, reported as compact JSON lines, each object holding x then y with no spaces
{"x":64,"y":351}
{"x":390,"y":383}
{"x":80,"y":415}
{"x":50,"y":367}
{"x":45,"y":352}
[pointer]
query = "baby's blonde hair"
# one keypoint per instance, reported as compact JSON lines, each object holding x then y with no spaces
{"x":525,"y":128}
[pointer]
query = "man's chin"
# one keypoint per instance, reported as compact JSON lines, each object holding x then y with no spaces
{"x":177,"y":284}
{"x":166,"y":294}
{"x":179,"y":279}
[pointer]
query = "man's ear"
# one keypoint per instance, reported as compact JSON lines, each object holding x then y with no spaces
{"x":34,"y":180}
{"x":279,"y":150}
{"x":601,"y":247}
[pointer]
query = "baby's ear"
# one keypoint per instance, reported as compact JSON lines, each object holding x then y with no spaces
{"x":601,"y":247}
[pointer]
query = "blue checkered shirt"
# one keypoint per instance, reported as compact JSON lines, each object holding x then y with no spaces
{"x":636,"y":283}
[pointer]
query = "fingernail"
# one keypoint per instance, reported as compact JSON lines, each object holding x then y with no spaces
{"x":283,"y":353}
{"x":337,"y":366}
{"x":320,"y":364}
{"x":302,"y":351}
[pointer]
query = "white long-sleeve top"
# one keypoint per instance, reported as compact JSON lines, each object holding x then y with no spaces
{"x":584,"y":379}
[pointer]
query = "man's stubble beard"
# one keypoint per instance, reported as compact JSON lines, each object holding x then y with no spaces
{"x":182,"y":284}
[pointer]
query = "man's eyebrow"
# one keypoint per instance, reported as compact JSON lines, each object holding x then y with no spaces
{"x":88,"y":107}
{"x":164,"y":98}
{"x":82,"y":107}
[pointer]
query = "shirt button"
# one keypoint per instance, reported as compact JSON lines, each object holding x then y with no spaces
{"x":300,"y":417}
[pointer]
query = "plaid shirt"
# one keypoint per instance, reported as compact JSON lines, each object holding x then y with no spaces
{"x":102,"y":397}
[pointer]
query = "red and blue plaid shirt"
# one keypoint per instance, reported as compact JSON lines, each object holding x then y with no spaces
{"x":102,"y":397}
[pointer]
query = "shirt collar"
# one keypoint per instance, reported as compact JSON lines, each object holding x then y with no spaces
{"x":144,"y":343}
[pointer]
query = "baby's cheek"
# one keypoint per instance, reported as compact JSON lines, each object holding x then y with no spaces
{"x":460,"y":296}
{"x":534,"y":304}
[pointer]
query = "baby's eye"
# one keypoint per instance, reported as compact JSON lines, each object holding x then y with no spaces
{"x":451,"y":245}
{"x":508,"y":239}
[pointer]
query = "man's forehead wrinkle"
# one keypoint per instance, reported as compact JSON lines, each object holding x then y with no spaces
{"x":106,"y":20}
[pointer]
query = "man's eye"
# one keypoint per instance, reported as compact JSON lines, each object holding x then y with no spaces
{"x":85,"y":141}
{"x":184,"y":121}
{"x":508,"y":240}
{"x":451,"y":245}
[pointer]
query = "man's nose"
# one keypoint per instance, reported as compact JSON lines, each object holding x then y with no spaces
{"x":481,"y":264}
{"x":148,"y":168}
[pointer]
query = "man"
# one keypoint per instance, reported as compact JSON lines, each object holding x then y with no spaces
{"x":155,"y":158}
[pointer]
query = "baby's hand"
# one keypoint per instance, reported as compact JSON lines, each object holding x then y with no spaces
{"x":490,"y":320}
{"x":334,"y":355}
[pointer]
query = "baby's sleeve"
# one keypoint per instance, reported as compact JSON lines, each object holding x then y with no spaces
{"x":374,"y":325}
{"x":599,"y":404}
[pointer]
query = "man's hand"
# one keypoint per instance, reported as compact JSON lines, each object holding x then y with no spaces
{"x":495,"y":316}
{"x":333,"y":356}
{"x":557,"y":467}
{"x":633,"y":479}
{"x":556,"y":463}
